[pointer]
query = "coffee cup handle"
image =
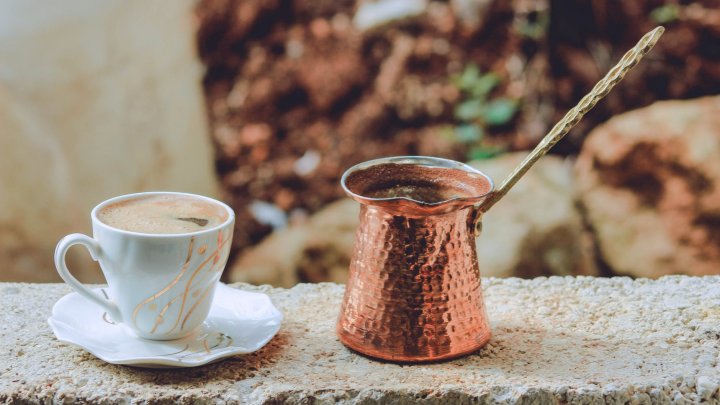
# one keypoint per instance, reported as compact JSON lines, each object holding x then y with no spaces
{"x":95,"y":252}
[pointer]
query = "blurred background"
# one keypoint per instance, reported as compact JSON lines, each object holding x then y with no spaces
{"x":264,"y":103}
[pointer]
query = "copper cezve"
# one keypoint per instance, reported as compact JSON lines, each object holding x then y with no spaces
{"x":413,"y":292}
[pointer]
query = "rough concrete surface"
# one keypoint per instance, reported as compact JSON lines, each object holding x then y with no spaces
{"x":556,"y":340}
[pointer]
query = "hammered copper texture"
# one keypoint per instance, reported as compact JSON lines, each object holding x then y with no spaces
{"x":413,"y":292}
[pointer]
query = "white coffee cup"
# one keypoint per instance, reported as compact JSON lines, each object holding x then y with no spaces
{"x":161,"y":286}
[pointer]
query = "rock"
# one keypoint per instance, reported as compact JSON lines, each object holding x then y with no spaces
{"x":535,"y":229}
{"x":96,"y":100}
{"x":372,"y":14}
{"x":555,"y":340}
{"x":648,"y":182}
{"x":268,"y":214}
{"x":317,"y":250}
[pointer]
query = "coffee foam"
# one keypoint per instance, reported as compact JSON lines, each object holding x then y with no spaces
{"x":163,"y":214}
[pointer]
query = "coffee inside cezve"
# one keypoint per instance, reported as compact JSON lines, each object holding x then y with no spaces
{"x":427,"y":184}
{"x":163,"y":214}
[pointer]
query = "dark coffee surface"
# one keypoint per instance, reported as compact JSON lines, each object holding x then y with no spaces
{"x":421,"y":183}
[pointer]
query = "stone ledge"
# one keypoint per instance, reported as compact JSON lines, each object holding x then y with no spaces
{"x":556,"y":340}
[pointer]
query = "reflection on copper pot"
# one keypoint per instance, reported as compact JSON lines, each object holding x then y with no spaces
{"x":413,"y":292}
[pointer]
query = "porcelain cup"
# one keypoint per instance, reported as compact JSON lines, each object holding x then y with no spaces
{"x":160,"y":286}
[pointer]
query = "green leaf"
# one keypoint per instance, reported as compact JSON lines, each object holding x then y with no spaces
{"x":484,"y":85}
{"x":499,"y":111}
{"x":533,"y":29}
{"x":469,"y":110}
{"x":484,"y":152}
{"x":469,"y":133}
{"x":665,"y":14}
{"x":468,"y":77}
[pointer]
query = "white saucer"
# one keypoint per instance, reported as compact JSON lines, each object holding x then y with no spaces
{"x":239,"y":322}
